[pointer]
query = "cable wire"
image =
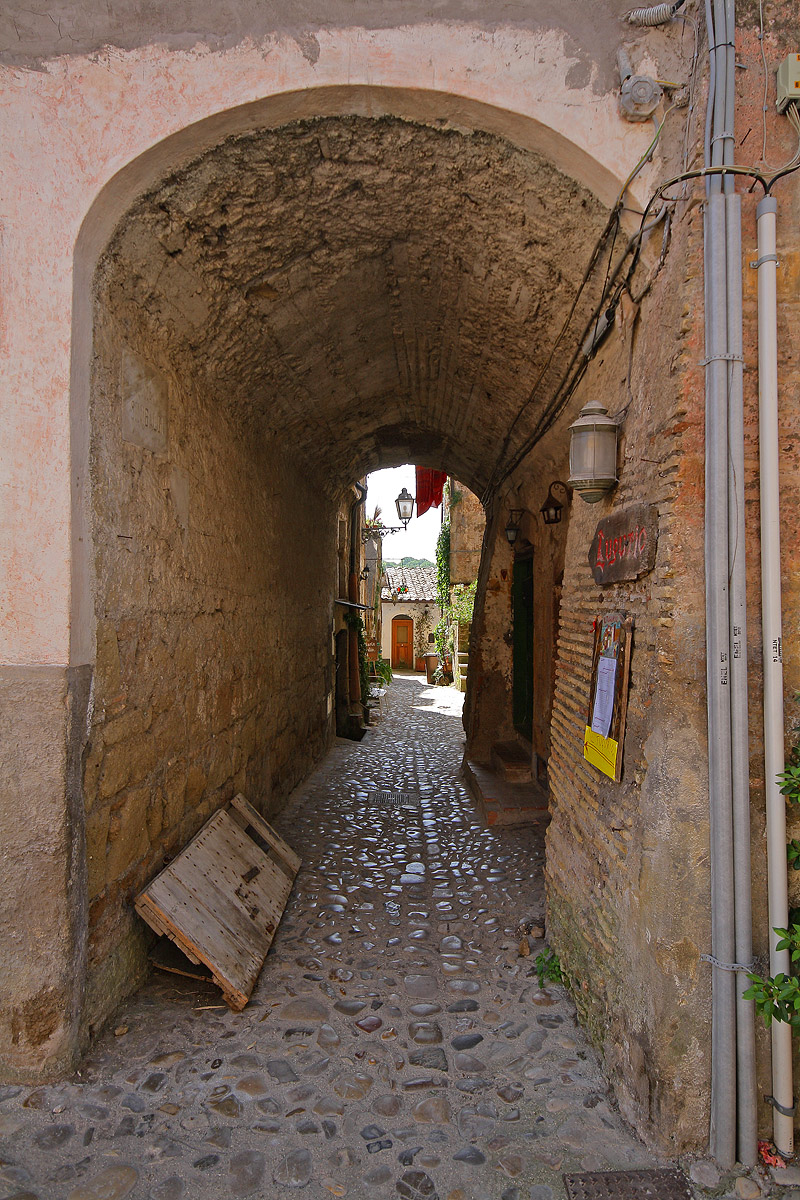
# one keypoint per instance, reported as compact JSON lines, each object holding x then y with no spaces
{"x":610,"y":231}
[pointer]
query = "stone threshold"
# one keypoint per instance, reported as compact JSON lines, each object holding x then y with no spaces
{"x":505,"y":803}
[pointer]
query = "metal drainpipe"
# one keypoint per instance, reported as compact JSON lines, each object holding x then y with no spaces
{"x":723,"y":942}
{"x":774,"y":749}
{"x":740,"y":749}
{"x":723,"y":995}
{"x":747,"y":1120}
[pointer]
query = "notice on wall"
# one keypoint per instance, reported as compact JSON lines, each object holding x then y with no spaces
{"x":604,"y":696}
{"x":608,"y":694}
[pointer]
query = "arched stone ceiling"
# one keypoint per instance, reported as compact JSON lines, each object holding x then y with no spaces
{"x":369,"y":291}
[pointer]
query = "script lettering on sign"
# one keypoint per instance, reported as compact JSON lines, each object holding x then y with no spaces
{"x":624,"y":544}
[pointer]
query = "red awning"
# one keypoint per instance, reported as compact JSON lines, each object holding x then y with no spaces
{"x":430,"y":485}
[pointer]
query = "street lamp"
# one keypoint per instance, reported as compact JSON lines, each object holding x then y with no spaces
{"x":405,"y":507}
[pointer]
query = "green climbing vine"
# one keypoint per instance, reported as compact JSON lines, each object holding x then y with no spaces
{"x":777,"y":997}
{"x":442,"y":630}
{"x":354,"y":621}
{"x":464,"y":602}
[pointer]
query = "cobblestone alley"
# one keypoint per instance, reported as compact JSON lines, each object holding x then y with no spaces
{"x":396,"y":1045}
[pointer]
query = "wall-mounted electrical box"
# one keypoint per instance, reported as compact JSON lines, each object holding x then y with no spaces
{"x":788,"y":82}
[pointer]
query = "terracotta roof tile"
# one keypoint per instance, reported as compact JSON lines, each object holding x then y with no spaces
{"x":419,"y":582}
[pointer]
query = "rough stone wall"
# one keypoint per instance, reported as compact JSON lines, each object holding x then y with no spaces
{"x":487,"y":705}
{"x":489,"y":698}
{"x":628,"y":877}
{"x":215,"y":563}
{"x":39,"y":982}
{"x":627,"y":863}
{"x":467,"y":522}
{"x":302,"y":267}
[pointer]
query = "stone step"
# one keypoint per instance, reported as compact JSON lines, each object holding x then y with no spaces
{"x":512,"y":762}
{"x":505,"y":803}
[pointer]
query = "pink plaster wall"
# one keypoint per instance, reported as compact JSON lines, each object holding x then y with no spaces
{"x":68,"y":129}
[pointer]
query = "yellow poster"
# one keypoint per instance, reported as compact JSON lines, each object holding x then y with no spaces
{"x":601,"y":752}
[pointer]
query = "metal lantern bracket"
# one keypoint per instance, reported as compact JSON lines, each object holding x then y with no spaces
{"x":552,"y":507}
{"x":512,"y":528}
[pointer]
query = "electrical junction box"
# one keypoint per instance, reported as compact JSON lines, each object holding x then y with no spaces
{"x":788,"y":82}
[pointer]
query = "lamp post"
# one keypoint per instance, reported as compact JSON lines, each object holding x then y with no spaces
{"x":593,"y":452}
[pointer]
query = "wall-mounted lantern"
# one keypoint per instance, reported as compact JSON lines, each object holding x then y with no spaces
{"x":512,"y":528}
{"x":365,"y":573}
{"x":405,"y":507}
{"x":593,"y":452}
{"x":552,"y":508}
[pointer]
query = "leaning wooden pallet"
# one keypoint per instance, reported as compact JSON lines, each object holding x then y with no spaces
{"x":221,"y":899}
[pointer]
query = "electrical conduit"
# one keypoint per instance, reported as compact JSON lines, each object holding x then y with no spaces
{"x":733,"y":1108}
{"x":774,"y":750}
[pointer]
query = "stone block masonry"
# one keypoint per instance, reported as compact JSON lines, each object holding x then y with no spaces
{"x":212,"y":633}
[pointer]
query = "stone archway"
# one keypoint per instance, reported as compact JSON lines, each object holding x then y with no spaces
{"x":291,"y":308}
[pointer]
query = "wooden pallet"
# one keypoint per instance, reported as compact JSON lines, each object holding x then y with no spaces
{"x":221,"y":899}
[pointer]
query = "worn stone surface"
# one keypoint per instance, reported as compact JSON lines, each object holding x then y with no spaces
{"x":41,"y":925}
{"x":151,"y":1114}
{"x":467,"y":522}
{"x":26,"y":38}
{"x":224,"y":266}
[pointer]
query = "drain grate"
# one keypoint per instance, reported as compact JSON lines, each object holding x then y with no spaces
{"x":667,"y":1184}
{"x":394,"y":799}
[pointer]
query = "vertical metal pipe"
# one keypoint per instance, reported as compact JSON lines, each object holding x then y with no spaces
{"x":740,"y":750}
{"x":774,"y":749}
{"x":723,"y":996}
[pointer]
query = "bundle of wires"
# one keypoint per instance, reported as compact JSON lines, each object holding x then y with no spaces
{"x":792,"y":115}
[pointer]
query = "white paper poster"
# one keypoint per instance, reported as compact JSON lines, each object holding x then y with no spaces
{"x":604,"y":696}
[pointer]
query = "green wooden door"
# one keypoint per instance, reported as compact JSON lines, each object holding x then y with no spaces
{"x":522,"y":662}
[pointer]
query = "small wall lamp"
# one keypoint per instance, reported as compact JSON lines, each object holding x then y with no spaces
{"x":552,"y":507}
{"x":593,"y":452}
{"x":365,"y":573}
{"x":512,"y":528}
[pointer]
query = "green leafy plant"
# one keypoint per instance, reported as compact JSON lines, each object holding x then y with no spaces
{"x":384,"y":669}
{"x":789,"y":782}
{"x":443,"y":568}
{"x":464,"y":602}
{"x":422,"y":627}
{"x":777,"y":997}
{"x":354,"y":621}
{"x":548,"y":968}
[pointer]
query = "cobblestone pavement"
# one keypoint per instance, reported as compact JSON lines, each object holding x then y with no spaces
{"x":397,"y":1044}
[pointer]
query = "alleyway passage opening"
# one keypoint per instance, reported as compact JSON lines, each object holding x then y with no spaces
{"x":291,"y":309}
